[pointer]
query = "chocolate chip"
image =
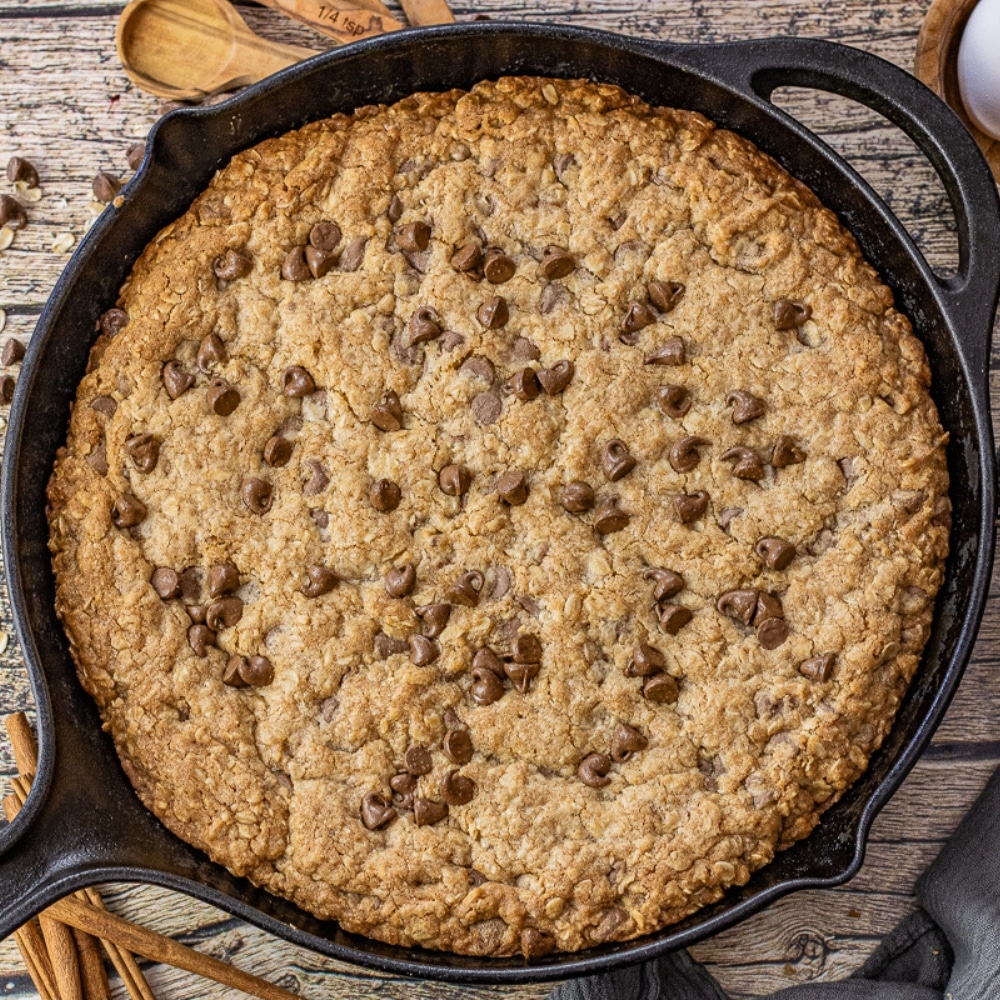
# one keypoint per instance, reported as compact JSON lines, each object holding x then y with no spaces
{"x":818,"y":668}
{"x":467,"y":259}
{"x":175,"y":380}
{"x":466,"y":589}
{"x":455,"y":480}
{"x":521,"y":674}
{"x":384,"y":495}
{"x":385,"y":646}
{"x":674,"y":400}
{"x":661,"y":689}
{"x":789,"y":314}
{"x":740,"y":605}
{"x":212,"y":351}
{"x":257,"y":495}
{"x":457,"y":746}
{"x":417,"y":761}
{"x":12,"y":213}
{"x":404,"y":785}
{"x":127,"y":511}
{"x":486,"y":686}
{"x":319,"y":581}
{"x":197,"y":612}
{"x":493,"y":313}
{"x":231,"y":673}
{"x":577,"y":497}
{"x":772,"y":632}
{"x":435,"y":618}
{"x":486,"y":659}
{"x":224,"y":613}
{"x":556,"y":263}
{"x":200,"y":637}
{"x":673,"y":617}
{"x":222,"y":397}
{"x":106,"y":187}
{"x":20,"y":169}
{"x":665,"y":294}
{"x":318,"y":479}
{"x":727,"y":515}
{"x":523,"y":384}
{"x":498,"y":267}
{"x":427,"y":812}
{"x":296,"y":381}
{"x":98,"y":459}
{"x":325,"y":236}
{"x":400,"y":580}
{"x":144,"y":450}
{"x":414,"y":236}
{"x":536,"y":943}
{"x":295,"y":267}
{"x":238,"y":672}
{"x":768,"y":606}
{"x":354,"y":254}
{"x":166,"y":582}
{"x":486,"y":408}
{"x":278,"y":451}
{"x":684,"y":455}
{"x":670,"y":353}
{"x":223,"y":578}
{"x":746,"y":406}
{"x":786,"y":452}
{"x":232,"y":264}
{"x":135,"y":154}
{"x":747,"y":464}
{"x":456,"y":789}
{"x":666,"y":583}
{"x":320,"y":518}
{"x":479,"y":367}
{"x":593,"y":770}
{"x":190,"y":580}
{"x":609,"y":517}
{"x":690,"y":506}
{"x":424,"y":326}
{"x":376,"y":812}
{"x":387,"y":414}
{"x":776,"y":552}
{"x":527,"y":649}
{"x":555,"y":379}
{"x":513,"y":488}
{"x":13,"y":352}
{"x":395,"y":210}
{"x":625,"y":742}
{"x":320,"y":262}
{"x":639,"y":316}
{"x":423,"y":651}
{"x":616,"y":460}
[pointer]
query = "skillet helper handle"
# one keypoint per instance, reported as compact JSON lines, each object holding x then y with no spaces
{"x":758,"y":68}
{"x":342,"y":20}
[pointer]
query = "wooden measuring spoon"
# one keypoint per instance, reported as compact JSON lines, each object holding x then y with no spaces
{"x":187,"y":50}
{"x":345,"y":20}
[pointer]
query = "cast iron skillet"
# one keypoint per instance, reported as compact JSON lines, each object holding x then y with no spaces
{"x":83,"y":823}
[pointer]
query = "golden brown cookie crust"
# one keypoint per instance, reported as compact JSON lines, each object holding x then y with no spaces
{"x":269,"y":780}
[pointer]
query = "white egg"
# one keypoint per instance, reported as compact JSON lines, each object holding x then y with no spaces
{"x":979,"y":66}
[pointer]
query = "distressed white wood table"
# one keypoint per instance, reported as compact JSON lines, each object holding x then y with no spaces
{"x":66,"y":105}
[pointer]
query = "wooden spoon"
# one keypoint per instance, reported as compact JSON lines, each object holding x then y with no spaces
{"x":186,"y":50}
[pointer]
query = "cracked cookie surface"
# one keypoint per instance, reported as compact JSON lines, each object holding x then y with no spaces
{"x":505,"y":519}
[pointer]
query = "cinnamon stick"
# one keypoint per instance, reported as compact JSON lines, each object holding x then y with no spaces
{"x":22,"y":741}
{"x":423,"y":12}
{"x":62,"y":953}
{"x":92,"y":971}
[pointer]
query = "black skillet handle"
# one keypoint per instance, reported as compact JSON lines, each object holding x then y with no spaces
{"x":970,"y":298}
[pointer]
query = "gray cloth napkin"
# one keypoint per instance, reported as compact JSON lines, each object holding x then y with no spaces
{"x":948,"y":950}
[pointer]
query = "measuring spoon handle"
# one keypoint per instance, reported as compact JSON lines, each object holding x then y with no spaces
{"x":340,"y":19}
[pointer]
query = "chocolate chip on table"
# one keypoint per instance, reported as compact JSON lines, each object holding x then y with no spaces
{"x":319,"y":581}
{"x":674,"y":400}
{"x":789,"y":314}
{"x":387,"y":414}
{"x":818,"y":668}
{"x":555,"y":379}
{"x":278,"y":451}
{"x":417,"y":761}
{"x":467,"y":258}
{"x":127,"y":511}
{"x":320,"y":262}
{"x":325,"y":236}
{"x":200,"y":637}
{"x":20,"y":169}
{"x":257,"y":495}
{"x":746,"y":406}
{"x":457,"y":746}
{"x":747,"y":463}
{"x":423,"y":651}
{"x":7,"y":385}
{"x":454,"y":480}
{"x":639,"y":316}
{"x":577,"y":497}
{"x":424,"y":325}
{"x":144,"y":450}
{"x":435,"y":618}
{"x":415,"y":236}
{"x":176,"y":380}
{"x":487,"y":687}
{"x":12,"y":213}
{"x":295,"y":267}
{"x":385,"y":495}
{"x":222,"y":397}
{"x":775,"y":552}
{"x":609,"y":517}
{"x":513,"y":488}
{"x":616,"y":460}
{"x":498,"y":268}
{"x":690,"y":506}
{"x":670,"y":353}
{"x":318,"y":479}
{"x":135,"y":154}
{"x":486,"y":408}
{"x":661,"y":689}
{"x":400,"y":580}
{"x":376,"y":812}
{"x":740,"y":605}
{"x":427,"y":812}
{"x":296,"y":381}
{"x":593,"y":770}
{"x":771,"y":633}
{"x":523,"y":384}
{"x":666,"y":583}
{"x":665,"y":294}
{"x":534,"y":943}
{"x":786,"y":452}
{"x":166,"y":582}
{"x":493,"y":313}
{"x":211,"y":351}
{"x":466,"y":589}
{"x":673,"y":617}
{"x":224,"y":613}
{"x":625,"y":742}
{"x":486,"y":659}
{"x":684,"y":455}
{"x":106,"y":187}
{"x":556,"y":263}
{"x":456,"y":789}
{"x":222,"y":579}
{"x":13,"y":352}
{"x":232,"y":264}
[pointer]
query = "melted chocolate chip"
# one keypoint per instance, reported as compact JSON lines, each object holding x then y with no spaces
{"x":786,"y":452}
{"x":278,"y":451}
{"x":498,"y":268}
{"x":555,"y":379}
{"x":387,"y":414}
{"x":466,"y":589}
{"x":127,"y":511}
{"x":456,"y":789}
{"x":395,"y":210}
{"x":257,"y":495}
{"x":639,"y":316}
{"x":768,"y":606}
{"x":684,"y":455}
{"x":457,"y":746}
{"x":144,"y":450}
{"x":523,"y":384}
{"x":536,"y":943}
{"x":424,"y":326}
{"x":772,"y":632}
{"x":673,"y":617}
{"x":112,"y":322}
{"x":479,"y":367}
{"x":232,"y":264}
{"x":176,"y":380}
{"x":400,"y":580}
{"x":222,"y":397}
{"x":670,"y":353}
{"x":609,"y":517}
{"x":674,"y":400}
{"x":423,"y":651}
{"x":467,"y":259}
{"x":325,"y":236}
{"x":435,"y":618}
{"x":690,"y":506}
{"x":521,"y":674}
{"x":747,"y":464}
{"x":746,"y":406}
{"x":385,"y":646}
{"x":200,"y":637}
{"x":212,"y":351}
{"x":166,"y":582}
{"x":13,"y":353}
{"x":296,"y":381}
{"x":556,"y":263}
{"x":661,"y":689}
{"x":577,"y":497}
{"x":776,"y":552}
{"x":616,"y":460}
{"x":666,"y":583}
{"x":625,"y":742}
{"x":493,"y":313}
{"x":318,"y":479}
{"x":486,"y":408}
{"x":740,"y":605}
{"x":789,"y":314}
{"x":415,"y":236}
{"x":222,"y":579}
{"x":385,"y":495}
{"x":818,"y":668}
{"x":486,"y":686}
{"x":527,"y":649}
{"x":427,"y":812}
{"x":665,"y":294}
{"x":295,"y":267}
{"x":513,"y":488}
{"x":593,"y":770}
{"x":417,"y":761}
{"x":354,"y":254}
{"x":454,"y":480}
{"x":223,"y":613}
{"x":376,"y":812}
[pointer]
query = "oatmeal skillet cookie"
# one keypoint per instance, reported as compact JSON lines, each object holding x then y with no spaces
{"x":500,"y":521}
